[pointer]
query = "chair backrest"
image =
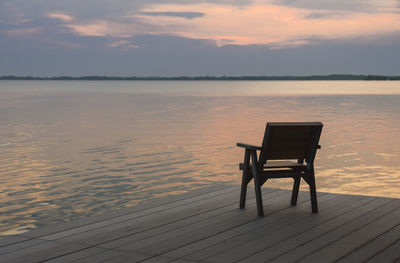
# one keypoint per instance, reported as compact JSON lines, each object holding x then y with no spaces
{"x":290,"y":140}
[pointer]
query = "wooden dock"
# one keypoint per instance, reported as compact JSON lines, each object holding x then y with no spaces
{"x":206,"y":225}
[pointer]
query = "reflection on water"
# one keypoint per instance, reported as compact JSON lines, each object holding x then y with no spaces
{"x":71,"y":154}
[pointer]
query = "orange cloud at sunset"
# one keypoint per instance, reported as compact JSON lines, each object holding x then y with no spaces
{"x":103,"y":28}
{"x":267,"y":24}
{"x":254,"y":24}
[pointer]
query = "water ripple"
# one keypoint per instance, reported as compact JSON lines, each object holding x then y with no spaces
{"x":99,"y":152}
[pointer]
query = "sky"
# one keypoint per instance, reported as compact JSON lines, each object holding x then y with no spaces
{"x":197,"y":38}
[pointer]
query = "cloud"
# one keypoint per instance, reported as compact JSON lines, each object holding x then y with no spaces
{"x":23,"y":32}
{"x":266,"y":24}
{"x":123,"y":44}
{"x":61,"y":16}
{"x":118,"y":43}
{"x":103,"y":28}
{"x":214,"y":37}
{"x":325,"y":15}
{"x":220,"y":33}
{"x":354,"y":5}
{"x":12,"y":16}
{"x":175,"y":56}
{"x":228,"y":22}
{"x":188,"y":15}
{"x":370,"y":6}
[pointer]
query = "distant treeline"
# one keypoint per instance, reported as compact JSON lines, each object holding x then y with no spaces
{"x":313,"y":77}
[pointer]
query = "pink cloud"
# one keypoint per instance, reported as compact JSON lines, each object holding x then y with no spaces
{"x":123,"y":44}
{"x":260,"y":23}
{"x":266,"y":24}
{"x":103,"y":28}
{"x":61,"y":16}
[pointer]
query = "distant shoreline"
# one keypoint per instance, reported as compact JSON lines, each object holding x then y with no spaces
{"x":205,"y":78}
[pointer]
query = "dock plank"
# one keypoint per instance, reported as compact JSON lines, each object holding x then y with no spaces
{"x":104,"y":256}
{"x":41,"y":252}
{"x":361,"y":235}
{"x":131,"y":256}
{"x":325,"y":235}
{"x":182,"y":236}
{"x":88,"y":253}
{"x":207,"y":226}
{"x":298,"y":246}
{"x":380,"y":243}
{"x":9,"y":240}
{"x":162,"y":227}
{"x":21,"y":245}
{"x":191,"y":203}
{"x":191,"y":211}
{"x":390,"y":254}
{"x":259,"y":239}
{"x":159,"y":202}
{"x":217,"y":238}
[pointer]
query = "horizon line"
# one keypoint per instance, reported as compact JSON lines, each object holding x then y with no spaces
{"x":207,"y":77}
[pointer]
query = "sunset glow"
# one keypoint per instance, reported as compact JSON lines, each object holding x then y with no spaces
{"x":249,"y":34}
{"x":254,"y":24}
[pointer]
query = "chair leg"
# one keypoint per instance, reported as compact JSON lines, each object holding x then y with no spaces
{"x":243,"y":191}
{"x":257,"y":184}
{"x":313,"y":194}
{"x":260,"y":210}
{"x":245,"y":179}
{"x":295,"y":191}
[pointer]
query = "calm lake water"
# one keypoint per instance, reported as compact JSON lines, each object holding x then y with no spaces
{"x":72,"y":149}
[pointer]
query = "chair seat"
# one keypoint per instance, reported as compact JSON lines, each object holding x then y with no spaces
{"x":279,"y":164}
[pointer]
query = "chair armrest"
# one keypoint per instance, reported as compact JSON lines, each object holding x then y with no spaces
{"x":249,"y":146}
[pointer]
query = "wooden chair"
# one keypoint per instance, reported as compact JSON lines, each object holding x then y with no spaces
{"x":283,"y":142}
